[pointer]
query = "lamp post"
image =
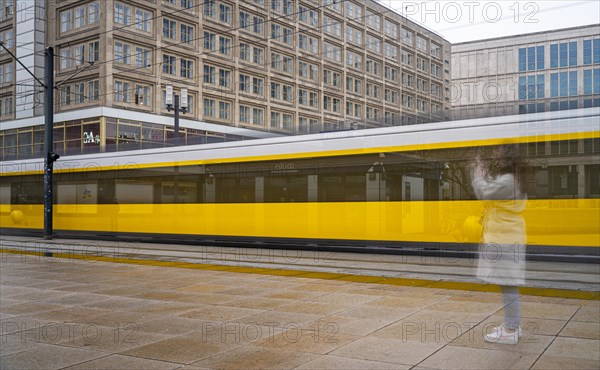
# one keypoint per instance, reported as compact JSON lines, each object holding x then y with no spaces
{"x":174,"y":104}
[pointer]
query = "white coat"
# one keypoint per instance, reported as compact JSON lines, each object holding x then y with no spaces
{"x":502,"y":251}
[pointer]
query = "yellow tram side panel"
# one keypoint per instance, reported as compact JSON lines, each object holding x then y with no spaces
{"x":573,"y":222}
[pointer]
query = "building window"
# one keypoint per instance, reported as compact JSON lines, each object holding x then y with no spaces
{"x":332,"y":104}
{"x":224,"y":78}
{"x":122,"y":91}
{"x":94,"y":51}
{"x":281,"y":34}
{"x":407,"y":36}
{"x":436,"y":50}
{"x":209,"y":41}
{"x":225,"y":45}
{"x":142,"y":95}
{"x":391,"y":74}
{"x":563,"y":54}
{"x":591,"y":81}
{"x":354,"y":35}
{"x":6,"y":8}
{"x":422,"y":65}
{"x":258,"y":116}
{"x":408,"y":80}
{"x":373,"y":90}
{"x":81,"y":16}
{"x":421,"y":44}
{"x":390,"y":29}
{"x":391,"y":51}
{"x":391,"y":96}
{"x":224,"y":110}
{"x":308,"y":43}
{"x":65,"y":57}
{"x":6,"y":73}
{"x":373,"y":44}
{"x":373,"y":114}
{"x":531,"y":58}
{"x":93,"y":90}
{"x":354,"y":109}
{"x":373,"y":67}
{"x":354,"y":11}
{"x":308,"y":71}
{"x":563,"y":84}
{"x":282,"y":63}
{"x":251,"y":53}
{"x":143,"y":58}
{"x":275,"y":119}
{"x":436,"y":70}
{"x":373,"y":20}
{"x":143,"y":20}
{"x":225,"y":13}
{"x":332,"y":79}
{"x":407,"y":101}
{"x":122,"y":14}
{"x":187,"y":33}
{"x":186,"y":68}
{"x":168,"y":66}
{"x":6,"y":106}
{"x":591,"y":51}
{"x":122,"y":53}
{"x":353,"y":85}
{"x":407,"y":57}
{"x":209,"y":107}
{"x":332,"y":26}
{"x":334,"y":5}
{"x":310,"y":17}
{"x":169,"y":29}
{"x":332,"y":52}
{"x":353,"y":60}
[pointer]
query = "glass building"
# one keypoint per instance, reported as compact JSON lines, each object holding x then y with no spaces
{"x":537,"y":72}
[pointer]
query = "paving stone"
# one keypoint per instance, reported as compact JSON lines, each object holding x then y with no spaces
{"x":477,"y":358}
{"x":579,"y":329}
{"x":388,"y":350}
{"x":48,"y":358}
{"x":346,"y":363}
{"x":124,"y":362}
{"x":256,"y":357}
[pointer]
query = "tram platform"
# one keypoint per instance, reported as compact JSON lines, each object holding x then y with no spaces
{"x":104,"y":305}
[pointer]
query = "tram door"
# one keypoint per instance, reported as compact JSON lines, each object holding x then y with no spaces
{"x":376,"y":181}
{"x":413,"y":212}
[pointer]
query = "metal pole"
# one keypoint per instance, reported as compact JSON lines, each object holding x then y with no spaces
{"x":176,"y":107}
{"x":48,"y":141}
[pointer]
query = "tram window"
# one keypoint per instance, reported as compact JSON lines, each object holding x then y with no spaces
{"x":134,"y":193}
{"x":5,"y":198}
{"x":592,"y":174}
{"x":289,"y":187}
{"x":563,"y":181}
{"x":177,"y":192}
{"x":230,"y":188}
{"x":83,"y":193}
{"x":27,"y":192}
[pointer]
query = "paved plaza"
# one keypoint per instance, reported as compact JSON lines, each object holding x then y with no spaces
{"x":76,"y":314}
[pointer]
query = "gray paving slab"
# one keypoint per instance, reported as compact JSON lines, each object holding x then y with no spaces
{"x":115,"y":316}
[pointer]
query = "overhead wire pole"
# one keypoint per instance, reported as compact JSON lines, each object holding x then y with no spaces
{"x":51,"y":157}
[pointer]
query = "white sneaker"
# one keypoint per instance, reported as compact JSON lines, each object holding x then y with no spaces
{"x":500,"y":336}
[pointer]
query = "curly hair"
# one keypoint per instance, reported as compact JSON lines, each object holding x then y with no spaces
{"x":508,"y":159}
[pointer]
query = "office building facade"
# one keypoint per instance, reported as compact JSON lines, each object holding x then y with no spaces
{"x":268,"y":67}
{"x":537,"y":72}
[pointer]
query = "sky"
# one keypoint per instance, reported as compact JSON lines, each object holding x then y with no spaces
{"x":461,"y":21}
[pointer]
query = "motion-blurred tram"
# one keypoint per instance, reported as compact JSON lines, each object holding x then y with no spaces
{"x":394,"y":189}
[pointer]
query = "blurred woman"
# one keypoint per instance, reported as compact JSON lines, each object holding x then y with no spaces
{"x":499,"y":183}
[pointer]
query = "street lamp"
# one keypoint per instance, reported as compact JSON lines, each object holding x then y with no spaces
{"x":173,"y":103}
